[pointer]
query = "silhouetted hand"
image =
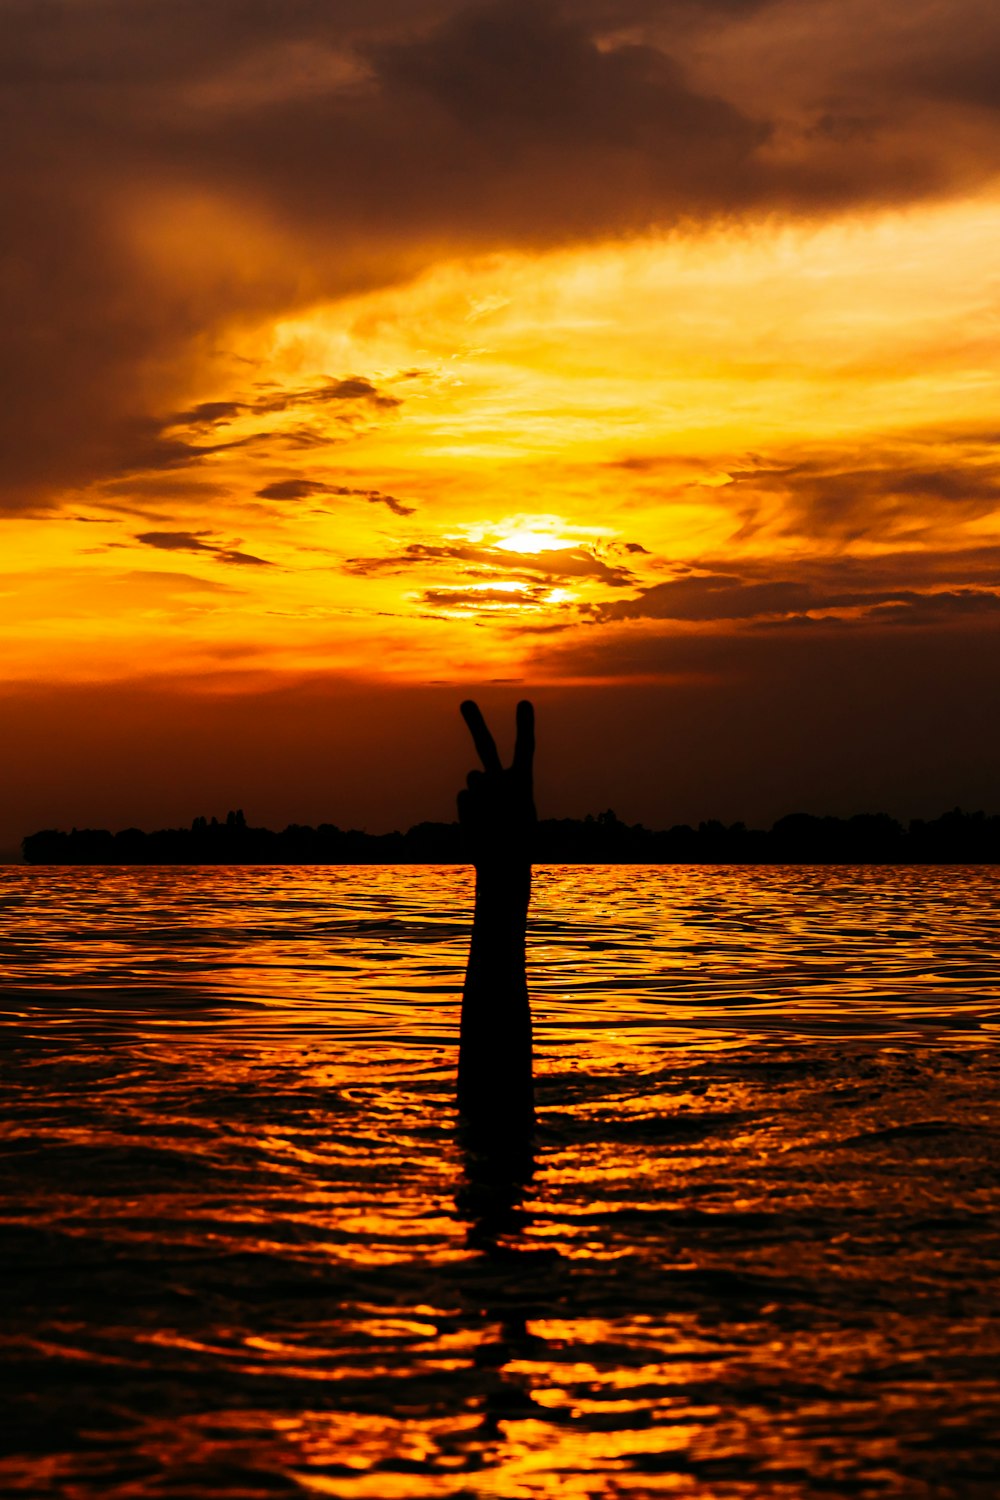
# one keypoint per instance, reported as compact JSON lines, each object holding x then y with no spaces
{"x":497,"y":814}
{"x":497,"y":809}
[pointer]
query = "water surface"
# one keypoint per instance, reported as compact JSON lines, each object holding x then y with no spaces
{"x":244,"y":1254}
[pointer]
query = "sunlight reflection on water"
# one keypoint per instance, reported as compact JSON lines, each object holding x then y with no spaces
{"x":382,"y":950}
{"x":243,"y":1254}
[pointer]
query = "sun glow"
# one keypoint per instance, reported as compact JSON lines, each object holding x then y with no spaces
{"x":528,"y":534}
{"x":423,"y":476}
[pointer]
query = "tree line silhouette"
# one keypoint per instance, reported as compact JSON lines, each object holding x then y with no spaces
{"x":869,"y":838}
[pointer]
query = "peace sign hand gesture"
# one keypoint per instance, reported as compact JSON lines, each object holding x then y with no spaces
{"x":497,"y":809}
{"x":497,"y":814}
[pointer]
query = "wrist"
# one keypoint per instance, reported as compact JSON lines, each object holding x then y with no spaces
{"x":503,"y":878}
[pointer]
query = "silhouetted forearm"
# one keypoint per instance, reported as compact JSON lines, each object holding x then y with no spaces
{"x":494,"y":1066}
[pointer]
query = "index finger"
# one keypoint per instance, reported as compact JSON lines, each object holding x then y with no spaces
{"x":481,"y":737}
{"x":524,"y":745}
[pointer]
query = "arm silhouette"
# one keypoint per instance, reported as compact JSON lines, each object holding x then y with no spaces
{"x":497,"y":815}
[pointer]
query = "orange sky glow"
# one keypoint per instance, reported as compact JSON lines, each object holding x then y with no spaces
{"x":359,"y":362}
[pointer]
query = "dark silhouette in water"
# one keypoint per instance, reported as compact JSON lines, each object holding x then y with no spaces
{"x":497,"y":816}
{"x":495,"y":1090}
{"x":873,"y":838}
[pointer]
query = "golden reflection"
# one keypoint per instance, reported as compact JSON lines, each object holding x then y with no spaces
{"x":249,"y":1250}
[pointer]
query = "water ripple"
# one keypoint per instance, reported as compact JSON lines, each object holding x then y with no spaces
{"x":243,"y":1253}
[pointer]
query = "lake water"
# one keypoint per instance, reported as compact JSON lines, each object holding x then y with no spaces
{"x":244,"y":1255}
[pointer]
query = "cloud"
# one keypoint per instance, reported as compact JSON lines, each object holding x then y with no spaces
{"x":845,"y":587}
{"x":292,"y":489}
{"x":241,"y":559}
{"x":710,"y":597}
{"x":903,"y":486}
{"x":335,"y":147}
{"x":447,"y":598}
{"x":206,"y":413}
{"x":376,"y":497}
{"x":525,"y":76}
{"x":304,"y":489}
{"x":154,"y":444}
{"x":559,"y":562}
{"x":900,"y":495}
{"x":175,"y":541}
{"x":190,"y":541}
{"x":148,"y":446}
{"x":927,"y":568}
{"x":921,"y":609}
{"x":351,"y":388}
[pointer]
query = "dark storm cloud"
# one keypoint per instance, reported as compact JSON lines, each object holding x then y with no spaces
{"x":206,"y":413}
{"x":560,"y":562}
{"x":919,"y":609}
{"x":953,"y":57}
{"x":380,"y":136}
{"x":241,"y":559}
{"x":901,"y":493}
{"x":901,"y":607}
{"x":482,"y":598}
{"x":153,"y":444}
{"x":292,"y":489}
{"x":928,"y":568}
{"x":525,"y":77}
{"x":711,"y":597}
{"x":304,"y":489}
{"x":352,"y":388}
{"x":190,"y":541}
{"x":898,"y":588}
{"x":175,"y":541}
{"x":376,"y":497}
{"x":146,"y":447}
{"x":901,"y":486}
{"x":363,"y":162}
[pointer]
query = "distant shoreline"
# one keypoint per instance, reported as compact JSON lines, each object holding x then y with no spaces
{"x":800,"y":838}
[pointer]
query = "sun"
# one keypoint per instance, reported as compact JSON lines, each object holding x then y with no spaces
{"x":525,"y":539}
{"x":528,"y":535}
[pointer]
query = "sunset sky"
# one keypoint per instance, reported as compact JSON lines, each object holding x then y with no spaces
{"x":640,"y":357}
